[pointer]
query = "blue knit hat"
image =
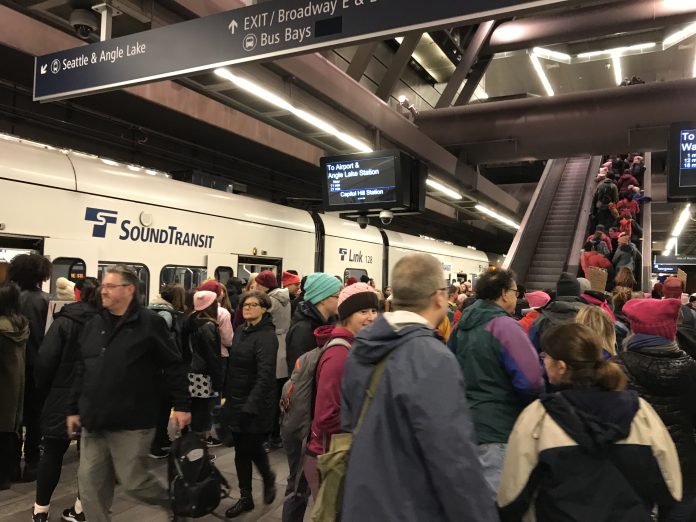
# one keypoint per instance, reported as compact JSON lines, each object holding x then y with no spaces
{"x":319,"y":286}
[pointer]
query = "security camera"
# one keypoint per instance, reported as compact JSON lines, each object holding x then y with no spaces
{"x":85,"y":22}
{"x":363,"y":221}
{"x":386,"y":217}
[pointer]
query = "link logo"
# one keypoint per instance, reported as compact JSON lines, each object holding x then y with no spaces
{"x":102,"y":217}
{"x":342,"y":252}
{"x":354,"y":257}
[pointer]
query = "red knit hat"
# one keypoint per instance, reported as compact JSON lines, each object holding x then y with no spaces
{"x":267,"y":279}
{"x":351,"y":281}
{"x":211,"y":286}
{"x":653,"y":316}
{"x":290,"y":279}
{"x":673,"y":287}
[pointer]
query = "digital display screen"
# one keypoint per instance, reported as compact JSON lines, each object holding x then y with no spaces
{"x":366,"y":181}
{"x":681,"y":163}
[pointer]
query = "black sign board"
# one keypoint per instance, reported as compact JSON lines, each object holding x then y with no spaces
{"x":263,"y":31}
{"x":681,"y":168}
{"x":664,"y":269}
{"x":677,"y":260}
{"x":361,"y":181}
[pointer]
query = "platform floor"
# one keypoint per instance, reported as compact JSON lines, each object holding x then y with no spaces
{"x":16,"y":503}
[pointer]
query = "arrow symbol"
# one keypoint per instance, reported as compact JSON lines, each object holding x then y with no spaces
{"x":233,"y":25}
{"x":43,"y":69}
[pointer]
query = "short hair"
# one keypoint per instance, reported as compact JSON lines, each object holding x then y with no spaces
{"x":492,"y":283}
{"x":415,"y":278}
{"x":127,"y":274}
{"x":364,"y":278}
{"x":262,"y":297}
{"x":453,"y":289}
{"x":9,"y":304}
{"x":29,"y":270}
{"x":600,"y":323}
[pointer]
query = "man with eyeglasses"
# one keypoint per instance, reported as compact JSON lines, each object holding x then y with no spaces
{"x":501,"y":368}
{"x":127,"y":359}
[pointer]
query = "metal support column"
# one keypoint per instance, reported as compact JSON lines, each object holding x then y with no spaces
{"x":399,"y":63}
{"x":646,"y":212}
{"x":107,"y":12}
{"x":361,"y":59}
{"x":473,"y":80}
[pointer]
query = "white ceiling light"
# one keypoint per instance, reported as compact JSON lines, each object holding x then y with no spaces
{"x":509,"y":222}
{"x":616,"y":63}
{"x":281,"y":103}
{"x":679,"y":36}
{"x":552,"y":55}
{"x":109,"y":162}
{"x":683,"y":220}
{"x":444,"y":189}
{"x":541,"y":74}
{"x":622,"y":50}
{"x":670,"y":245}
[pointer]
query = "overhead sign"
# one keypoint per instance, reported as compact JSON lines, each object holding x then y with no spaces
{"x":681,"y":163}
{"x":676,"y":260}
{"x":664,"y":269}
{"x":262,"y":31}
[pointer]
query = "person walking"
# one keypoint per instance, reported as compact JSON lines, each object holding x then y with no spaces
{"x":249,"y":393}
{"x":321,"y":293}
{"x":126,"y":357}
{"x":357,"y":309}
{"x":14,"y":335}
{"x":591,"y":451}
{"x":55,"y":368}
{"x":560,"y":310}
{"x":414,"y":456}
{"x":501,"y":368}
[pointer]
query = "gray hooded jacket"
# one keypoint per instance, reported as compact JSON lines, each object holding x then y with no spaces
{"x":414,"y":458}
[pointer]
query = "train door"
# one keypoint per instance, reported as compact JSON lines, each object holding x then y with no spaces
{"x":254,"y":264}
{"x":71,"y":259}
{"x":222,"y":266}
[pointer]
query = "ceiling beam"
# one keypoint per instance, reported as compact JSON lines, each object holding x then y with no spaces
{"x":361,"y":59}
{"x":469,"y":58}
{"x":473,"y":80}
{"x":398,"y":65}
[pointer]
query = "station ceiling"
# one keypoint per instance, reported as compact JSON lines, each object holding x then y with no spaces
{"x":498,"y":71}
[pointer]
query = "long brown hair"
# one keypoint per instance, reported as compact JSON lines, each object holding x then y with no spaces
{"x":625,"y":278}
{"x":581,"y":349}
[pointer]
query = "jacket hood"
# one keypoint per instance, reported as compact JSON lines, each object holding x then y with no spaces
{"x":593,"y":418}
{"x":282,"y":295}
{"x":79,"y":312}
{"x":479,"y":313}
{"x":13,"y":333}
{"x":381,"y":337}
{"x":158,"y":301}
{"x":563,"y":308}
{"x":323,"y":333}
{"x":306,"y":311}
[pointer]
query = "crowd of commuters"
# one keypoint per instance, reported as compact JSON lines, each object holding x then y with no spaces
{"x":488,"y":401}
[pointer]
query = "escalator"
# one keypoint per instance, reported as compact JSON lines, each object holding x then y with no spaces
{"x":553,"y":230}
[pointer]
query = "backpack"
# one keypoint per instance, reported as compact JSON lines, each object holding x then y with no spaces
{"x":297,"y":398}
{"x":333,"y":464}
{"x":604,"y":193}
{"x":195,"y":484}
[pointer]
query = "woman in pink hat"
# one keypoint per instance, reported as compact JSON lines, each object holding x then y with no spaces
{"x":357,"y":308}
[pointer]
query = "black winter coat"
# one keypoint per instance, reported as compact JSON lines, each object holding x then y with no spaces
{"x":202,"y":349}
{"x":300,"y":338}
{"x":665,"y":376}
{"x":125,"y":365}
{"x":56,"y":365}
{"x":34,"y":306}
{"x":250,"y":386}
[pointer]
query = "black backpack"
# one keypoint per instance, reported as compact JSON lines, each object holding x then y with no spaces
{"x":195,"y":484}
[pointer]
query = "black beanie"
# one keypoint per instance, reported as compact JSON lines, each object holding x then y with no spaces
{"x":567,"y":286}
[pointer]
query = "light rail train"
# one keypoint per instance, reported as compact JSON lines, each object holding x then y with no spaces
{"x":86,"y":212}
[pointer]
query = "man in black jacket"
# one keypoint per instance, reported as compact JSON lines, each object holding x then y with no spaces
{"x":127,"y":355}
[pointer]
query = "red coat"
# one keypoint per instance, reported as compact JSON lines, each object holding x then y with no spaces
{"x":593,"y":259}
{"x":625,"y":180}
{"x":605,"y":238}
{"x":632,"y":206}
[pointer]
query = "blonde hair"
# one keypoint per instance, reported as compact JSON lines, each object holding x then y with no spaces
{"x":600,"y":323}
{"x":252,"y":278}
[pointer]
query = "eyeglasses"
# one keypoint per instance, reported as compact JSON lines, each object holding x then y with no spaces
{"x":335,"y":295}
{"x":111,"y":286}
{"x":251,"y":305}
{"x":517,"y":292}
{"x":439,"y":290}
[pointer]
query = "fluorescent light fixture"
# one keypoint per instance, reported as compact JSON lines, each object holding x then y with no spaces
{"x":281,"y":103}
{"x":492,"y":213}
{"x":693,"y":70}
{"x":552,"y":55}
{"x":679,"y":36}
{"x":151,"y":172}
{"x":134,"y":168}
{"x":109,"y":162}
{"x":670,"y":245}
{"x":683,"y":220}
{"x":616,"y":64}
{"x":541,"y":74}
{"x":620,"y":50}
{"x":444,"y":189}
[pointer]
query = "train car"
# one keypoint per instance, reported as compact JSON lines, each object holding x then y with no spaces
{"x":86,"y":212}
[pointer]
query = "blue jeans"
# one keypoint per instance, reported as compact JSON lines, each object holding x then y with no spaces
{"x":492,"y":457}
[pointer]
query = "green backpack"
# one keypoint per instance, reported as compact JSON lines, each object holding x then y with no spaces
{"x":333,"y":464}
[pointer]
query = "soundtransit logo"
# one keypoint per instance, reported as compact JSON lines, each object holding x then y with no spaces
{"x":171,"y":235}
{"x":102,"y":217}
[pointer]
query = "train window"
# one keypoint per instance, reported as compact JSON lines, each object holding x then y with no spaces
{"x":357,"y":273}
{"x":143,"y":275}
{"x":188,"y":276}
{"x":71,"y":268}
{"x":224,"y":274}
{"x":253,"y":265}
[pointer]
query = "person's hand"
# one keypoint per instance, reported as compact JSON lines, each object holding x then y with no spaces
{"x":74,"y":425}
{"x":182,"y":418}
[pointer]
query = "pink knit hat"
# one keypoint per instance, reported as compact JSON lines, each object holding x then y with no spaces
{"x":537,"y":299}
{"x":203,"y":299}
{"x":653,"y":316}
{"x":356,"y":297}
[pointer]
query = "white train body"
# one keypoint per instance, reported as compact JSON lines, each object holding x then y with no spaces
{"x":77,"y":207}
